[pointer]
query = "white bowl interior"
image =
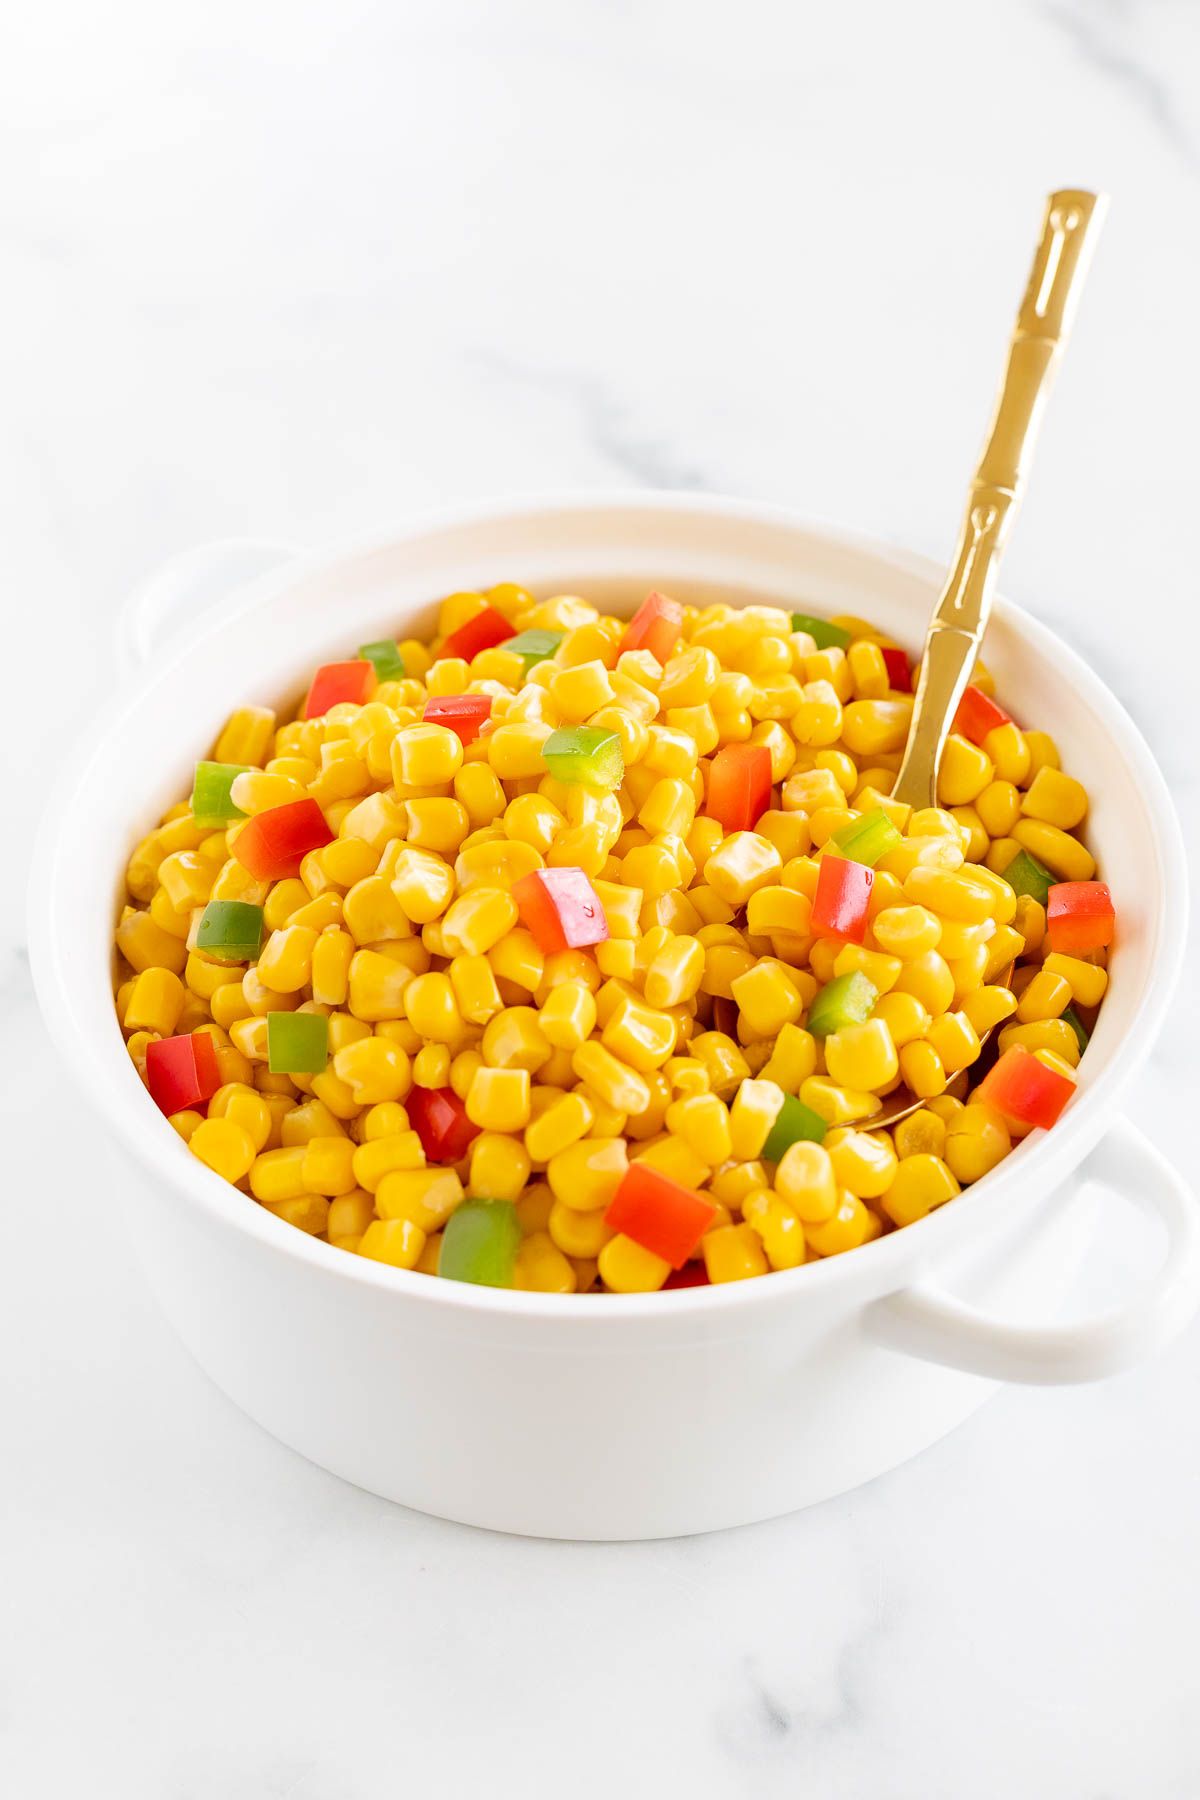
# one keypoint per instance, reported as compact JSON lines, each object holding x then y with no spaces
{"x":260,"y":645}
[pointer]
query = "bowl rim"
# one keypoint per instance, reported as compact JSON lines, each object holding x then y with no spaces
{"x":881,"y":1266}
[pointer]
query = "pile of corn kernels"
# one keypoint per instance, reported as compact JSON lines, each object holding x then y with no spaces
{"x":575,"y":955}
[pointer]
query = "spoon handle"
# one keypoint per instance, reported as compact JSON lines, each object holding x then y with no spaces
{"x":1069,"y":232}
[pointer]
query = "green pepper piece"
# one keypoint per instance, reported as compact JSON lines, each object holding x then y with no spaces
{"x":585,"y":753}
{"x":793,"y":1121}
{"x":212,"y":807}
{"x":385,"y":658}
{"x":480,"y":1243}
{"x":868,"y":839}
{"x":297,"y":1043}
{"x":535,"y":646}
{"x":846,"y":1000}
{"x":823,"y":634}
{"x":1072,"y":1018}
{"x":230,"y":931}
{"x":1026,"y":875}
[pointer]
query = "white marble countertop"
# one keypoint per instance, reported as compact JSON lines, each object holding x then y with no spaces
{"x":296,"y":271}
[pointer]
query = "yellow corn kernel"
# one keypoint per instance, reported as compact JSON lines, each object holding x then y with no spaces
{"x":427,"y":1197}
{"x":246,"y":736}
{"x":1043,"y":1034}
{"x":864,"y":1162}
{"x":498,"y":1099}
{"x":500,"y":1166}
{"x":177,"y":922}
{"x":330,"y":968}
{"x":922,"y":1069}
{"x":541,"y":1267}
{"x":534,"y":820}
{"x":249,"y":1037}
{"x":475,"y":988}
{"x":998,"y":807}
{"x":1000,"y":951}
{"x":300,"y":1124}
{"x":752,"y":1114}
{"x":722,"y":1059}
{"x":965,"y":771}
{"x":494,"y":862}
{"x":306,"y":1212}
{"x":398,"y":1242}
{"x":986,"y":1007}
{"x":515,"y":751}
{"x":922,"y":1182}
{"x":733,"y":1253}
{"x":586,"y":1175}
{"x":955,"y":1040}
{"x":562,"y":1123}
{"x":621,"y":1087}
{"x":778,"y":1226}
{"x":675,"y":971}
{"x":1047,"y":997}
{"x":958,"y":895}
{"x":871,"y":728}
{"x":730,"y":1186}
{"x":377,"y":986}
{"x":145,"y":945}
{"x":579,"y":1235}
{"x":767,"y":997}
{"x":348,"y":1217}
{"x":1010,"y":753}
{"x":477,"y":921}
{"x":703,"y":1124}
{"x":1062,"y":854}
{"x":185,"y":1122}
{"x":1087,"y":981}
{"x":155,"y":1002}
{"x":793,"y":1059}
{"x":374,"y":1070}
{"x":977,"y":1138}
{"x":432,"y":1009}
{"x":328,"y":1166}
{"x":514,"y":1040}
{"x":226,"y":1147}
{"x":276,"y":1175}
{"x":639,"y":1035}
{"x":868,"y":671}
{"x":906,"y":931}
{"x":431,"y":1066}
{"x":927,"y":978}
{"x":744,"y":863}
{"x":477,"y":788}
{"x":518,"y":961}
{"x":422,"y":883}
{"x":580,"y":690}
{"x":400,"y":1151}
{"x":627,"y":1267}
{"x":285,"y":963}
{"x":438,"y":823}
{"x":568,"y":1017}
{"x":921,"y":1133}
{"x":813,"y":790}
{"x":862,"y":1056}
{"x":1056,"y":799}
{"x":805,"y":1179}
{"x":373,"y":913}
{"x":425,"y":756}
{"x":883,"y":972}
{"x":137,"y":1046}
{"x":246,"y":1108}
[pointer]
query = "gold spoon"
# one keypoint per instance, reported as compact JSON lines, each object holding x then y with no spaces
{"x":956,"y":629}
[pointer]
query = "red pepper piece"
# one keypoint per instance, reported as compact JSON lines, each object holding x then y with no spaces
{"x":659,"y":1214}
{"x":464,"y":714}
{"x":655,"y":627}
{"x":693,"y":1274}
{"x":439,"y":1118}
{"x":335,"y":682}
{"x":978,"y":714}
{"x":1025,"y":1089}
{"x":839,"y":908}
{"x":182,"y":1071}
{"x":273,"y":844}
{"x":1080,"y":916}
{"x":561,"y":908}
{"x":482,"y":631}
{"x":898,"y":668}
{"x":739,"y":786}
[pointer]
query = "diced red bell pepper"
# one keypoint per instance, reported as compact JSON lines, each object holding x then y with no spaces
{"x":898,"y":668}
{"x":464,"y":714}
{"x":839,"y":908}
{"x":439,"y":1118}
{"x":1080,"y":916}
{"x":978,"y":714}
{"x":659,"y":1214}
{"x":693,"y":1274}
{"x":273,"y":844}
{"x":182,"y":1071}
{"x":482,"y":631}
{"x":335,"y":682}
{"x":1026,"y":1089}
{"x":655,"y":627}
{"x":561,"y":908}
{"x":739,"y":786}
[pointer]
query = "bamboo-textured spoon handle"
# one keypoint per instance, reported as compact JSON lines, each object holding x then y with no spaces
{"x":956,"y":629}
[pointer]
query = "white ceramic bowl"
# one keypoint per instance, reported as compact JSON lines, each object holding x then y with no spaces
{"x":635,"y":1416}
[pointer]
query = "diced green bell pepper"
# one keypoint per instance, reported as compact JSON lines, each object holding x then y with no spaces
{"x":297,"y":1043}
{"x":868,"y":839}
{"x":585,"y":753}
{"x":846,"y":1000}
{"x":385,"y":658}
{"x":212,"y":807}
{"x":1026,"y":875}
{"x":535,"y":646}
{"x":1071,"y":1017}
{"x":480,"y":1243}
{"x":230,"y":931}
{"x":823,"y":634}
{"x":793,"y":1121}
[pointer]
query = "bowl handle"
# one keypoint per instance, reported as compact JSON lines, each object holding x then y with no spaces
{"x":925,"y":1322}
{"x":186,"y":583}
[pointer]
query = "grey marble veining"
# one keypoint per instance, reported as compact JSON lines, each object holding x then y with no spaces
{"x":300,"y":271}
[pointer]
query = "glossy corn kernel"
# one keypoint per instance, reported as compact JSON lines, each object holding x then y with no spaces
{"x":733,"y":1253}
{"x":922,"y":1182}
{"x":224,"y":1146}
{"x":628,"y":1268}
{"x":398,"y":1242}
